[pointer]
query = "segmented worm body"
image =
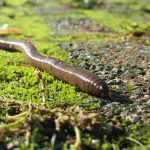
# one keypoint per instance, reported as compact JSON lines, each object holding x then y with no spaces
{"x":80,"y":78}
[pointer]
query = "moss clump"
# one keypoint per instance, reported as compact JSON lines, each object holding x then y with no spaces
{"x":113,"y":22}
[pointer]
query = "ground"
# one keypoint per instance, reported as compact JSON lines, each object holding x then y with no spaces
{"x":111,"y":39}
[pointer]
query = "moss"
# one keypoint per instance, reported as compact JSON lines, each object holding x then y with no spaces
{"x":130,"y":86}
{"x":119,"y":22}
{"x":15,"y":2}
{"x":113,"y":22}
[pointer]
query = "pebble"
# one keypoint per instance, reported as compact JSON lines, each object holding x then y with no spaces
{"x":133,"y":118}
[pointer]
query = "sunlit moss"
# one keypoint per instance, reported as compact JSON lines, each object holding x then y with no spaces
{"x":113,"y":22}
{"x":15,"y":2}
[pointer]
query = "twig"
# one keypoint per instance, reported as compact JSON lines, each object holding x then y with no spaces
{"x":77,"y":145}
{"x":135,"y":141}
{"x":41,"y":85}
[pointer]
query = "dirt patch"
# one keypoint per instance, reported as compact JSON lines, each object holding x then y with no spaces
{"x":122,"y":64}
{"x":52,"y":11}
{"x":63,"y":24}
{"x":75,"y":26}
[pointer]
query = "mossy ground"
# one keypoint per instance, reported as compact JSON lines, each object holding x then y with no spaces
{"x":19,"y":81}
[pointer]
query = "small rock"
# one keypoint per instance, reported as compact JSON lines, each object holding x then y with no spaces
{"x":133,"y":118}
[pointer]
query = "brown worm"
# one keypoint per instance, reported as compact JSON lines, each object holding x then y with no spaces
{"x":80,"y":78}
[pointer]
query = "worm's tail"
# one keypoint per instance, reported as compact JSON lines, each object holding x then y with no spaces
{"x":7,"y":45}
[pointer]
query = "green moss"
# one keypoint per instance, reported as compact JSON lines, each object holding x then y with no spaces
{"x":116,"y":23}
{"x":119,"y":22}
{"x":15,"y":2}
{"x":130,"y":86}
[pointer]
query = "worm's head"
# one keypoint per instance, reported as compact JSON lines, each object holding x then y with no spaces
{"x":104,"y":91}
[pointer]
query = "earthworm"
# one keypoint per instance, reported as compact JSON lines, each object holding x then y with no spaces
{"x":83,"y":79}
